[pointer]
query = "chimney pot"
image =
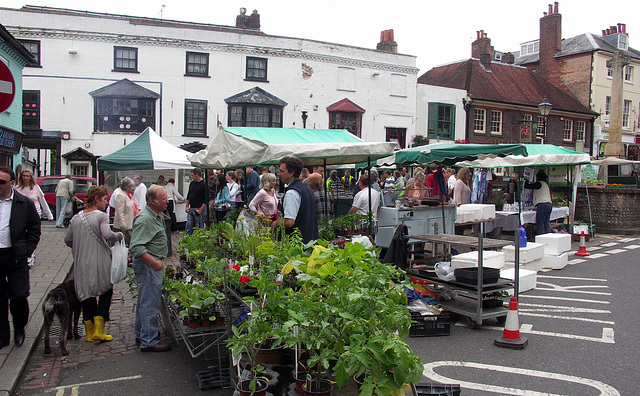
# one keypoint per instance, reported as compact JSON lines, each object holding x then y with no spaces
{"x":391,"y":35}
{"x":544,"y":14}
{"x":623,"y":26}
{"x":555,"y":7}
{"x":550,"y":9}
{"x":382,"y":36}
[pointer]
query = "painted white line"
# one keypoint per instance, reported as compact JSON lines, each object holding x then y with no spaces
{"x":572,"y":291}
{"x":429,"y":372}
{"x":572,"y":278}
{"x":567,"y":318}
{"x":60,"y":392}
{"x":6,"y":87}
{"x":597,"y":255}
{"x":74,"y":391}
{"x":98,"y":382}
{"x":609,"y":244}
{"x":566,"y":299}
{"x":616,"y":251}
{"x":594,"y":248}
{"x":628,"y":239}
{"x":559,"y":308}
{"x":576,"y":261}
{"x":631,"y":246}
{"x":606,"y":338}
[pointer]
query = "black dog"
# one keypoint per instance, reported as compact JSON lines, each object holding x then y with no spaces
{"x":63,"y":302}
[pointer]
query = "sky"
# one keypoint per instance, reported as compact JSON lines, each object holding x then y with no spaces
{"x":437,"y":32}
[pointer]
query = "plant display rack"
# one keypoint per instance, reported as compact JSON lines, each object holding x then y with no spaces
{"x":469,"y":297}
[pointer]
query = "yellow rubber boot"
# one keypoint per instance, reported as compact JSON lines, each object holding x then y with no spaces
{"x":99,"y":334}
{"x":89,"y":330}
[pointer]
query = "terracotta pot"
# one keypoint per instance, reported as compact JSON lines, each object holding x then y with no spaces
{"x":261,"y":388}
{"x":324,"y":388}
{"x":300,"y":379}
{"x":193,"y":325}
{"x":270,"y":355}
{"x":205,"y":323}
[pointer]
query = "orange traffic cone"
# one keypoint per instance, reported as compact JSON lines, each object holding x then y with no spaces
{"x":511,"y":334}
{"x":582,"y":250}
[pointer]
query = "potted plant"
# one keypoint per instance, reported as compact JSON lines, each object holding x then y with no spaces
{"x":419,"y":140}
{"x":244,"y":340}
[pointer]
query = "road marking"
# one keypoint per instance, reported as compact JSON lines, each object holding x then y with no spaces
{"x":609,"y":244}
{"x":560,"y":308}
{"x":566,"y":299}
{"x":595,"y":248}
{"x":628,"y":239}
{"x":572,"y":278}
{"x":568,"y":318}
{"x":74,"y":391}
{"x":605,"y":390}
{"x":62,"y":388}
{"x":598,"y":255}
{"x":572,"y":289}
{"x":632,"y":246}
{"x":576,"y":261}
{"x":606,"y":338}
{"x":616,"y":251}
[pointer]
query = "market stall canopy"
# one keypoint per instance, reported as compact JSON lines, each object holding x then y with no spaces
{"x":239,"y":146}
{"x":448,"y":153}
{"x":614,"y":161}
{"x":536,"y":155}
{"x":147,"y":151}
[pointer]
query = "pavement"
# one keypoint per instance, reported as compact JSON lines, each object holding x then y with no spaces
{"x":53,"y":266}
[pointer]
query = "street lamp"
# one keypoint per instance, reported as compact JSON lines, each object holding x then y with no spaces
{"x":545,"y":109}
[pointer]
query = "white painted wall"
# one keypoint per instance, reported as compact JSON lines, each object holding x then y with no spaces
{"x":65,"y":80}
{"x":432,"y":93}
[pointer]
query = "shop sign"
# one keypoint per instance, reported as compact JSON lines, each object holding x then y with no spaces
{"x":10,"y":141}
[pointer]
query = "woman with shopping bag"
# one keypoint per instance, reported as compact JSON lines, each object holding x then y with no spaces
{"x":88,"y":236}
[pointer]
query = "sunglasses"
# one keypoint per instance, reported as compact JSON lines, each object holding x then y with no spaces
{"x":3,"y":182}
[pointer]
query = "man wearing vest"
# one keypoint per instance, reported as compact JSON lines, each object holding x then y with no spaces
{"x":399,"y":185}
{"x":298,"y":202}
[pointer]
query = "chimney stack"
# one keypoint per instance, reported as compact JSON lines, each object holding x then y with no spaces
{"x":387,"y":42}
{"x":508,"y":58}
{"x":482,"y":46}
{"x":550,"y":38}
{"x":245,"y":21}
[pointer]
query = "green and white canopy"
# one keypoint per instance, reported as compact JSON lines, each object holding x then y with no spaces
{"x":240,"y":146}
{"x":536,"y":155}
{"x":147,"y":151}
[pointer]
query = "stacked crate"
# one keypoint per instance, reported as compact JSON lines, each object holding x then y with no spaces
{"x":556,"y":248}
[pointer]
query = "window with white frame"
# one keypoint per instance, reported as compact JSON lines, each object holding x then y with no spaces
{"x":609,"y":72}
{"x":496,"y":122}
{"x":581,"y":127}
{"x":80,"y":169}
{"x":607,"y":105}
{"x":532,"y":47}
{"x":626,"y":110}
{"x":479,"y":121}
{"x":540,"y":128}
{"x":567,"y":130}
{"x":628,"y":73}
{"x":623,"y":42}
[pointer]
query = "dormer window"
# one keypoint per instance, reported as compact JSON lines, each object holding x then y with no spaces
{"x":532,"y":47}
{"x":623,"y":41}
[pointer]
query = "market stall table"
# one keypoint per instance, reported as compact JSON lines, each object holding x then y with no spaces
{"x":509,"y":220}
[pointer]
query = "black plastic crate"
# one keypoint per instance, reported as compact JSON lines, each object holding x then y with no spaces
{"x":429,"y":326}
{"x":470,"y":275}
{"x":431,"y":389}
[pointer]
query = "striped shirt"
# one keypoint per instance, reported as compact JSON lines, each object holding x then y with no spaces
{"x":149,"y":235}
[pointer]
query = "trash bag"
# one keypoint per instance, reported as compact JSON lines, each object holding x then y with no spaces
{"x":119,"y":254}
{"x":444,"y":271}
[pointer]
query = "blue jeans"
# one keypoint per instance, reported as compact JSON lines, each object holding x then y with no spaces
{"x":61,"y":209}
{"x":195,"y":220}
{"x":543,"y":217}
{"x":149,"y":303}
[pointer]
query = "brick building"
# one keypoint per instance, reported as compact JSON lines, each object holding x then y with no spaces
{"x":500,"y":101}
{"x":578,"y":65}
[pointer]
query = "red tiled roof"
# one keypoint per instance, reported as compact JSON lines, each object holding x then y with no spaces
{"x":345,"y":105}
{"x":505,"y":83}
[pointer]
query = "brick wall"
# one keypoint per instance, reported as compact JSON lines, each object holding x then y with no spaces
{"x":613,"y":211}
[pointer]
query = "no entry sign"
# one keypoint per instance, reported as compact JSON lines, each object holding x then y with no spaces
{"x":7,"y":87}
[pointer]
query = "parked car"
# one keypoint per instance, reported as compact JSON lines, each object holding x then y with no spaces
{"x":48,"y":186}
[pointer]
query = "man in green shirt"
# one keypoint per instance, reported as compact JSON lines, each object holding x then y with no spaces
{"x":149,"y":247}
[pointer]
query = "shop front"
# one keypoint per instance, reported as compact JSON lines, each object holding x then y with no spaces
{"x":10,"y":143}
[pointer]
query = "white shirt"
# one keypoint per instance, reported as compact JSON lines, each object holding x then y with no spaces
{"x":112,"y":200}
{"x":361,"y":201}
{"x":5,"y":217}
{"x":140,"y":196}
{"x":451,"y":182}
{"x":233,"y":189}
{"x":172,"y":192}
{"x":291,"y":203}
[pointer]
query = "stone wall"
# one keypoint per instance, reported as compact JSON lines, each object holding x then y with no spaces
{"x":613,"y":210}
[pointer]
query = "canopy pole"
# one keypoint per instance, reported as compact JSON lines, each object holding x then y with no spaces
{"x":324,"y":186}
{"x":206,"y":198}
{"x":370,"y":215}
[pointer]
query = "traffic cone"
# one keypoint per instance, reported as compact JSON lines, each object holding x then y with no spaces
{"x":582,"y":250}
{"x":511,"y":334}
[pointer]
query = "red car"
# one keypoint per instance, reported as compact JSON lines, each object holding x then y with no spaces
{"x":48,"y":186}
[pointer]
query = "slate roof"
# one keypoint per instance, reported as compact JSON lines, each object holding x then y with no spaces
{"x":124,"y":88}
{"x":504,"y":83}
{"x":256,"y":95}
{"x":580,"y":44}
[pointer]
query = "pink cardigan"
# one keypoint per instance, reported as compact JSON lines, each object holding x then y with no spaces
{"x":264,"y":203}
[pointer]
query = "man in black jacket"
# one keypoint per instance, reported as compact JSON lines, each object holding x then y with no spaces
{"x":19,"y":236}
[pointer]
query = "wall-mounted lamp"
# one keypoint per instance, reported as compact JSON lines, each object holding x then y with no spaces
{"x":467,"y":101}
{"x":73,"y":51}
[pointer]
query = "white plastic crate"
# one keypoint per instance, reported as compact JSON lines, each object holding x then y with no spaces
{"x":486,"y":211}
{"x":533,"y":251}
{"x":554,"y":261}
{"x":535,"y":265}
{"x":528,"y":279}
{"x":464,"y":216}
{"x":491,"y":259}
{"x":555,"y":244}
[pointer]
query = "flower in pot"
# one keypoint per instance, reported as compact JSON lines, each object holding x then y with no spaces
{"x":419,"y":140}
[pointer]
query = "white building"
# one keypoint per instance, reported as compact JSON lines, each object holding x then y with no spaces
{"x":104,"y":78}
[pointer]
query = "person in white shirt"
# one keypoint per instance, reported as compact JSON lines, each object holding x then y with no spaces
{"x":232,"y":186}
{"x":173,"y":196}
{"x":361,"y":200}
{"x":140,"y":193}
{"x":112,"y":203}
